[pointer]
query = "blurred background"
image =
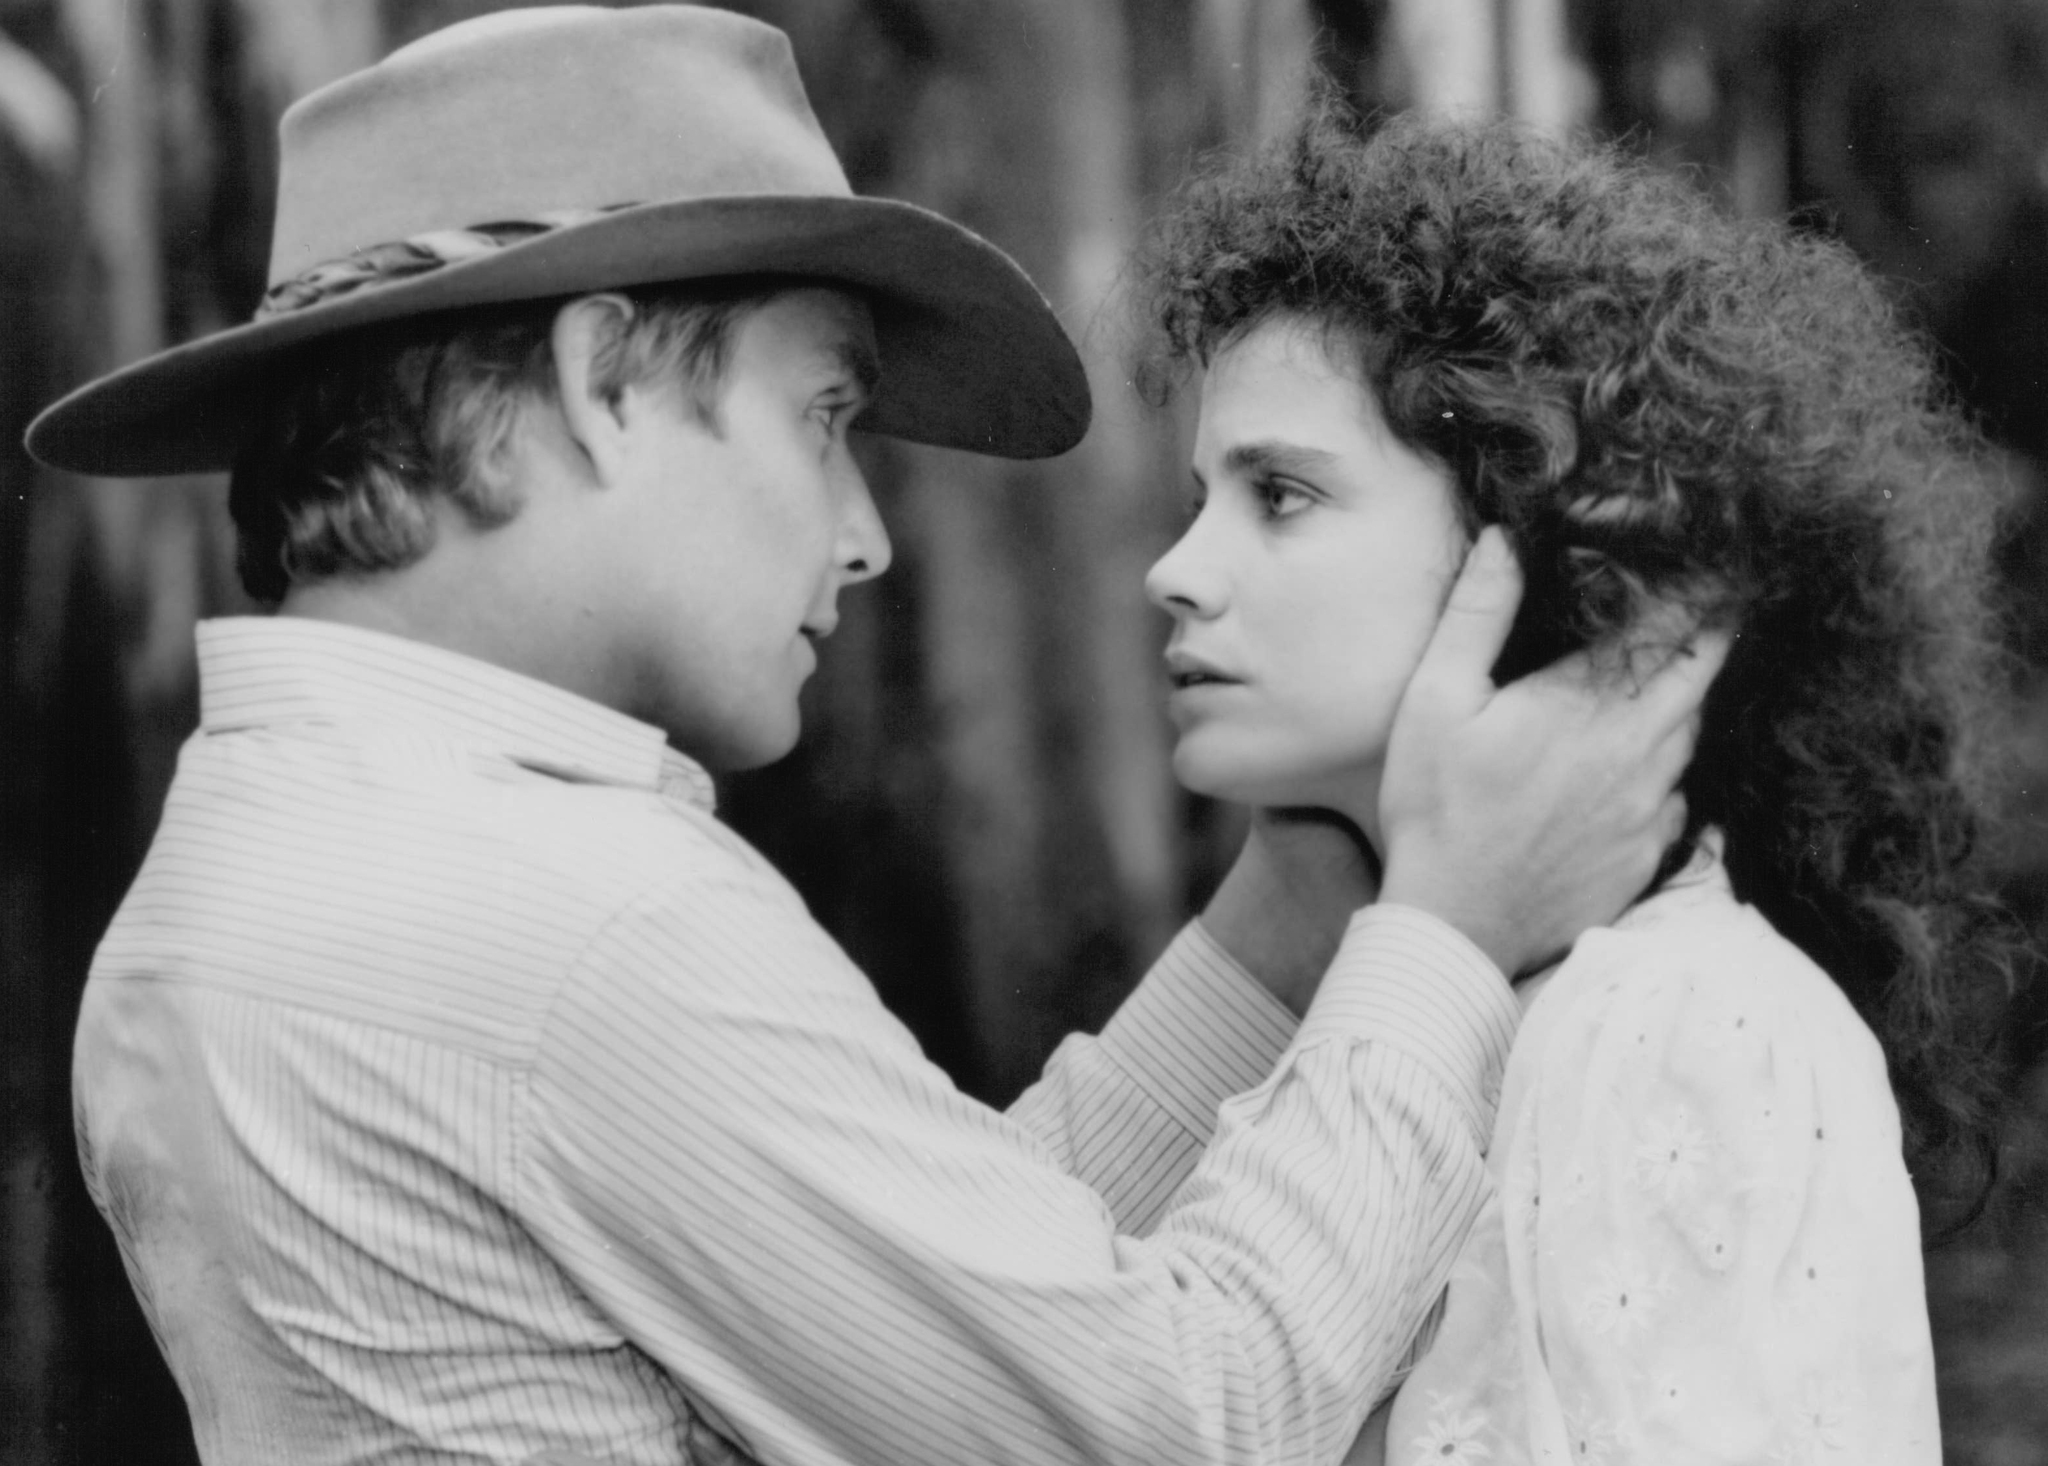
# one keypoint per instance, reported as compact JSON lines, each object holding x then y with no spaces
{"x":982,"y":811}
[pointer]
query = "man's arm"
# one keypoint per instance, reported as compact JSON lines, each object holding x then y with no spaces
{"x":1129,"y":1112}
{"x":751,"y":1172}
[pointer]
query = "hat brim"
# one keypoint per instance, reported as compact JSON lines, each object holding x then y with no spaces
{"x":972,"y":356}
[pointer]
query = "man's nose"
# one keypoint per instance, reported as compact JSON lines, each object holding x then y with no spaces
{"x":865,"y":551}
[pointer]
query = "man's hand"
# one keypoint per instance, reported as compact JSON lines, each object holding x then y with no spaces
{"x":1525,"y":814}
{"x":1282,"y":909}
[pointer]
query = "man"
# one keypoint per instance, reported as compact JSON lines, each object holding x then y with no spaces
{"x":459,"y":1088}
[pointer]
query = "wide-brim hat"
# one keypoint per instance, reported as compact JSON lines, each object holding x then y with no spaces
{"x":549,"y":152}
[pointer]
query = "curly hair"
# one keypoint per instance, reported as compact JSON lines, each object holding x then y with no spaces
{"x":1660,"y":403}
{"x":359,"y":440}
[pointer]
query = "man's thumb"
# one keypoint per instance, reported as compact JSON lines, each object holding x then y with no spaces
{"x":1476,"y":619}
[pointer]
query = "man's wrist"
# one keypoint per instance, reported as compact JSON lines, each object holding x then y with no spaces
{"x":1478,"y":922}
{"x":1404,"y":978}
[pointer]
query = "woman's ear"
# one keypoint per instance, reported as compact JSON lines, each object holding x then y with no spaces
{"x":583,"y":331}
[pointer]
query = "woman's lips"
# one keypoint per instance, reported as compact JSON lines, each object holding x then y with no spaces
{"x":1189,"y":673}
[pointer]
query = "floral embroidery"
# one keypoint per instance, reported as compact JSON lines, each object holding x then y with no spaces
{"x":1710,"y":1231}
{"x":1623,"y":1296}
{"x":1810,"y":1292}
{"x":1671,"y":1155}
{"x":1668,"y":1394}
{"x":1592,"y":1439}
{"x":1820,"y":1423}
{"x":1736,"y":1028}
{"x":1578,"y":1186}
{"x":1451,"y":1438}
{"x":1656,"y":1207}
{"x":1714,"y":1247}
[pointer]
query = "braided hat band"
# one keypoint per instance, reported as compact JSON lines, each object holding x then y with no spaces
{"x":380,"y":264}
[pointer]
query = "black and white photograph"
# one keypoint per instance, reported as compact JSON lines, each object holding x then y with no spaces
{"x":1046,"y":732}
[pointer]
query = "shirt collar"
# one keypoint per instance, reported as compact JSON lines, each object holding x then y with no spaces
{"x":263,"y":670}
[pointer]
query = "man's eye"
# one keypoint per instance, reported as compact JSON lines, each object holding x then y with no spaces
{"x":837,"y":412}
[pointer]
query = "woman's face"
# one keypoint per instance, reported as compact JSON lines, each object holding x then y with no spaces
{"x":1308,"y":584}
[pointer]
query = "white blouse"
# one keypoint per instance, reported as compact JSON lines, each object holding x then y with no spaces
{"x":1703,"y":1245}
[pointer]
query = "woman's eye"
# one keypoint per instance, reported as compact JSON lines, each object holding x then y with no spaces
{"x":1279,"y":497}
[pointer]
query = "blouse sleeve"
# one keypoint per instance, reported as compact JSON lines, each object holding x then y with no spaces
{"x":1707,"y":1217}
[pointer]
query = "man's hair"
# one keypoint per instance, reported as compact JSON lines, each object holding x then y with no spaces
{"x":1660,"y":404}
{"x":359,"y":440}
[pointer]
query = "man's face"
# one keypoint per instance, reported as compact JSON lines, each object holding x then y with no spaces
{"x":732,"y":539}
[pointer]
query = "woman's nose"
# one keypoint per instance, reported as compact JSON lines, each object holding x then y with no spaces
{"x":1183,"y":581}
{"x":1192,"y":576}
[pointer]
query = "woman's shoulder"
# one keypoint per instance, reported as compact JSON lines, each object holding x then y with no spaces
{"x":1703,"y":1210}
{"x":1694,"y":955}
{"x":1694,"y":997}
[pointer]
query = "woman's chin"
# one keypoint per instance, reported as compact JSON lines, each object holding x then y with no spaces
{"x":1230,"y":774}
{"x":1237,"y":782}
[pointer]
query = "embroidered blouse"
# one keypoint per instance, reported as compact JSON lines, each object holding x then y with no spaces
{"x":1702,"y":1244}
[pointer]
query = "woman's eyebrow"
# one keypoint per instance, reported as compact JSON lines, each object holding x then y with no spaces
{"x":1272,"y":455}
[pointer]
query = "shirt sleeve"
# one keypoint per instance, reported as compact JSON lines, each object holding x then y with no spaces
{"x":1130,"y":1112}
{"x":1710,"y":1242}
{"x":748,"y":1167}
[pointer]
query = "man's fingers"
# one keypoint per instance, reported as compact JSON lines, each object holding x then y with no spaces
{"x":1670,"y":820}
{"x":1709,"y":655}
{"x":1673,"y":753}
{"x":1665,"y":676}
{"x":1476,"y":620}
{"x":1670,"y":826}
{"x":1675,"y":690}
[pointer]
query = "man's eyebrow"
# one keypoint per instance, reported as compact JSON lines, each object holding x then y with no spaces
{"x":1272,"y":455}
{"x":856,"y":357}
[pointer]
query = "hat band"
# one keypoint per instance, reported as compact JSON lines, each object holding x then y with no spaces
{"x":419,"y":254}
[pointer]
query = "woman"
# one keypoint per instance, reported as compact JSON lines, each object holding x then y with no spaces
{"x":1704,"y":1243}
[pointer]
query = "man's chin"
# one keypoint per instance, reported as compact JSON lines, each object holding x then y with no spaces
{"x":736,"y":750}
{"x":757,"y":754}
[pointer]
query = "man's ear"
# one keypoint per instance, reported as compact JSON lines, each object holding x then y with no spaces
{"x":596,"y":422}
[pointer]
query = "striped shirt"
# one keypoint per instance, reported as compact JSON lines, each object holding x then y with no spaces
{"x":457,"y":1086}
